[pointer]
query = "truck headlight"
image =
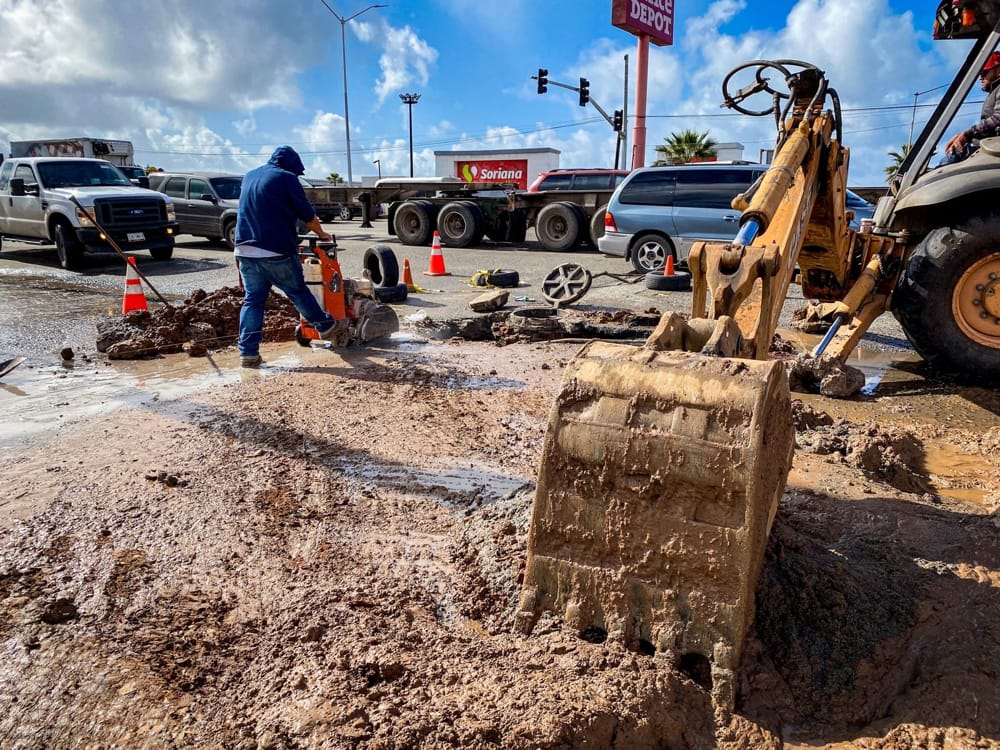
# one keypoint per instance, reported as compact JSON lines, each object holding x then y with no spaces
{"x":84,"y":218}
{"x":171,"y":214}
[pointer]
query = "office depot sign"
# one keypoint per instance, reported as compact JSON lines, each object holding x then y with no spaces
{"x":652,"y":17}
{"x":494,"y":170}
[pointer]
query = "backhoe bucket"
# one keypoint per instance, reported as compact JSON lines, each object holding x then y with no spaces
{"x":661,"y":474}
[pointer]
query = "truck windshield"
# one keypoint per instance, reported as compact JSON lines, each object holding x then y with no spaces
{"x":71,"y":173}
{"x":227,"y":188}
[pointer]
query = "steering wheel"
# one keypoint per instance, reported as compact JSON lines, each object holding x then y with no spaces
{"x":761,"y":84}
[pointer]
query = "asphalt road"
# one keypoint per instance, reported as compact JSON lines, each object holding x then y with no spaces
{"x":46,"y":308}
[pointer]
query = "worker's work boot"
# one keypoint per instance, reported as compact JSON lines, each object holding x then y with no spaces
{"x":252,"y":360}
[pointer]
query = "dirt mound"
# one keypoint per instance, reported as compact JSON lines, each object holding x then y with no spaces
{"x":203,"y":321}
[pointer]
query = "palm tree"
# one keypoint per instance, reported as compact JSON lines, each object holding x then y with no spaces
{"x":334,"y":178}
{"x":688,"y":145}
{"x":897,"y":161}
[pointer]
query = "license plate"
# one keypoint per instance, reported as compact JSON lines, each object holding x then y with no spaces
{"x":136,"y":237}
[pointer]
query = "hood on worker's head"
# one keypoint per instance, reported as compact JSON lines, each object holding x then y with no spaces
{"x":285,"y":157}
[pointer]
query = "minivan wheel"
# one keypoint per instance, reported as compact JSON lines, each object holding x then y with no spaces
{"x":650,"y":251}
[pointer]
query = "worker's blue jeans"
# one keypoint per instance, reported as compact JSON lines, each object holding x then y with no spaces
{"x":259,"y":275}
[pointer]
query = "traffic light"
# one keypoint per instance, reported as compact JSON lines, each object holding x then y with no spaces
{"x":617,"y":120}
{"x":543,"y":80}
{"x":584,"y":92}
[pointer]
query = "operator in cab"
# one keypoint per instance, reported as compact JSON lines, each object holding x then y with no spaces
{"x":966,"y":143}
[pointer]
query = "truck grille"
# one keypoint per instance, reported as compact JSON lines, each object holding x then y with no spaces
{"x":126,"y":213}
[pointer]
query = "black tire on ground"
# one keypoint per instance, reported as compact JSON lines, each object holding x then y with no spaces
{"x":391,"y":294}
{"x":346,"y":214}
{"x":650,"y":251}
{"x":380,"y":262}
{"x":413,"y":223}
{"x":162,"y":253}
{"x":300,"y":337}
{"x":230,"y":233}
{"x":558,"y":226}
{"x":68,"y":247}
{"x":948,"y":300}
{"x":458,"y":224}
{"x":503,"y":277}
{"x":597,"y":225}
{"x":679,"y":282}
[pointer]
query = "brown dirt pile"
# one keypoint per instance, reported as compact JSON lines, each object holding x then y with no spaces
{"x":204,"y":321}
{"x":338,"y":563}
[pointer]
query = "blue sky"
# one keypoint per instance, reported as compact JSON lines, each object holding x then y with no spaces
{"x":217,"y":85}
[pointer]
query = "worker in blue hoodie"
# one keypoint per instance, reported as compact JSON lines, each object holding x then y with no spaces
{"x":272,"y":203}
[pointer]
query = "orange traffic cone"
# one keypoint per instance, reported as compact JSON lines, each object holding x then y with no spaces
{"x":668,"y":268}
{"x":135,"y":298}
{"x":408,"y":276}
{"x":436,"y":267}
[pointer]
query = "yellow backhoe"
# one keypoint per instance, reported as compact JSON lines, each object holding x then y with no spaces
{"x":663,"y":465}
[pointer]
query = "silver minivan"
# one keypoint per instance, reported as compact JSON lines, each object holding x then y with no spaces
{"x":659,"y":211}
{"x":656,"y":211}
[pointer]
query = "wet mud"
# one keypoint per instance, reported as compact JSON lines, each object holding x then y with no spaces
{"x":330,"y":556}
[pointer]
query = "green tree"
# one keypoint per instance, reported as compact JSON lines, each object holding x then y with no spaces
{"x":897,"y":161}
{"x":688,"y":145}
{"x":334,"y":178}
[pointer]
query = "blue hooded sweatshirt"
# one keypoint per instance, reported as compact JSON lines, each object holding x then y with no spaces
{"x":272,"y":201}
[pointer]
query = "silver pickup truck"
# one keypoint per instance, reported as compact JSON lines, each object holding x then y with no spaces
{"x":36,"y":207}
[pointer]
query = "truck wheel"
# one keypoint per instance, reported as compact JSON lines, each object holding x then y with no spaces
{"x":381,"y":264}
{"x":161,"y":253}
{"x":345,"y":213}
{"x":480,"y":217}
{"x":948,"y":300}
{"x":518,"y":228}
{"x":650,"y":251}
{"x":413,"y":223}
{"x":459,"y":223}
{"x":68,"y":247}
{"x":558,"y":226}
{"x":597,"y":225}
{"x":230,"y":236}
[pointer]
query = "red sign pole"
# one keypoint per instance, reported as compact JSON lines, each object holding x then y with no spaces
{"x":641,"y":79}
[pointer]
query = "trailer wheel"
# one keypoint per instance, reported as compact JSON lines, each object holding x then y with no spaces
{"x":68,"y":247}
{"x":518,"y":226}
{"x":597,"y":225}
{"x":558,"y":226}
{"x":381,"y":264}
{"x":413,"y":223}
{"x":459,"y":223}
{"x":650,"y":251}
{"x":479,"y":214}
{"x":948,"y":300}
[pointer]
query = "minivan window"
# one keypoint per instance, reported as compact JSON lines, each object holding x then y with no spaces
{"x":710,"y":188}
{"x":649,"y":189}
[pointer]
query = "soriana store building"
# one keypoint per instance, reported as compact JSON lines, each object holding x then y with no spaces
{"x":519,"y":167}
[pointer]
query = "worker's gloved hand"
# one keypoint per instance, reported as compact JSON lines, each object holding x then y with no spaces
{"x":956,"y":145}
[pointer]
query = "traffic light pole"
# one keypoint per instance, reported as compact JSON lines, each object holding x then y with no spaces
{"x":620,"y":129}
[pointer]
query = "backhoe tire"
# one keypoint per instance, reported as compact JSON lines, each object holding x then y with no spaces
{"x":559,"y":225}
{"x":414,"y":223}
{"x":68,"y":247}
{"x":383,"y":267}
{"x":948,"y":300}
{"x":650,"y":251}
{"x":460,"y":224}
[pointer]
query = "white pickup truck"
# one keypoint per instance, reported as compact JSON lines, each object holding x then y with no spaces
{"x":36,"y":207}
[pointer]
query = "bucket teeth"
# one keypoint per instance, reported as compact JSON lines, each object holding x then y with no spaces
{"x":661,"y":473}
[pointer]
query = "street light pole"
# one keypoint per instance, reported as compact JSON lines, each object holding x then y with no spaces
{"x":409,"y":100}
{"x":913,"y":119}
{"x":343,"y":56}
{"x":378,"y":163}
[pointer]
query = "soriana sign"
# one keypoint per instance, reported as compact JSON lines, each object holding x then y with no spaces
{"x":652,"y":17}
{"x":494,"y":170}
